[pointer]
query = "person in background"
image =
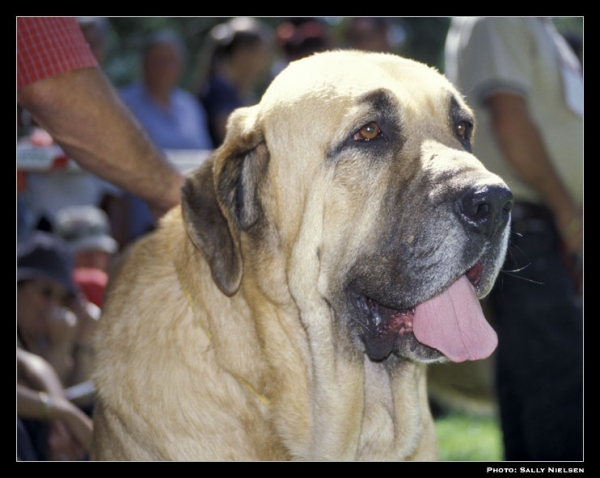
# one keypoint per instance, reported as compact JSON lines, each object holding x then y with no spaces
{"x":368,"y":34}
{"x":52,"y":324}
{"x":45,"y":326}
{"x":299,"y":37}
{"x":44,"y":193}
{"x":171,"y":116}
{"x":60,"y":85}
{"x":51,"y":318}
{"x":237,"y":57}
{"x":95,"y":30}
{"x":525,"y":86}
{"x":87,"y":231}
{"x":49,"y":426}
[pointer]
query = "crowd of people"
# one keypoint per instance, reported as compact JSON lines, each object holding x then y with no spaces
{"x":72,"y":225}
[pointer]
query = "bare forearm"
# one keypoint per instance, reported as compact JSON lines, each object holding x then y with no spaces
{"x":523,"y":147}
{"x":43,"y":388}
{"x":83,"y":113}
{"x":30,"y":404}
{"x":37,"y":405}
{"x":38,"y":373}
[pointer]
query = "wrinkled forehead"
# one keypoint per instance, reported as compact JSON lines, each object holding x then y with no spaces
{"x":328,"y":94}
{"x":345,"y":77}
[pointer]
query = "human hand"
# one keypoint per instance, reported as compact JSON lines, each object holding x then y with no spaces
{"x":170,"y":198}
{"x":87,"y":315}
{"x":71,"y":430}
{"x":62,"y":324}
{"x":40,"y":137}
{"x":61,"y":445}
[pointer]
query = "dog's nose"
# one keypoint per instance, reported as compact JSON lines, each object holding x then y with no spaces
{"x":487,"y":209}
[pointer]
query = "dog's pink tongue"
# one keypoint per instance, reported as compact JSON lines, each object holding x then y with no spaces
{"x":453,"y":323}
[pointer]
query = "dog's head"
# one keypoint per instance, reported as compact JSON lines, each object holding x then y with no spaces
{"x":351,"y":188}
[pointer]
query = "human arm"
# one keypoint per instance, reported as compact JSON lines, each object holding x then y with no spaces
{"x":39,"y":375}
{"x":37,"y":405}
{"x":523,"y":148}
{"x":83,"y":113}
{"x":40,"y":396}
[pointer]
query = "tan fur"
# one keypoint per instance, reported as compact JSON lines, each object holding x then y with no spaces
{"x":219,"y":339}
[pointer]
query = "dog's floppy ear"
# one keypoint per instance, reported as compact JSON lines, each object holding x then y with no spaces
{"x":220,"y":199}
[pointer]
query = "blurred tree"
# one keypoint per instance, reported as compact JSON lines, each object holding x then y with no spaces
{"x":572,"y":29}
{"x":426,"y":37}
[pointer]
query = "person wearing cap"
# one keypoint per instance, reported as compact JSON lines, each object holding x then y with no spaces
{"x":46,"y":342}
{"x":87,"y":231}
{"x":45,"y":326}
{"x":54,"y":319}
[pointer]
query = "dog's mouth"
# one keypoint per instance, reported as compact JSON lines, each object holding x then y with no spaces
{"x":451,"y":322}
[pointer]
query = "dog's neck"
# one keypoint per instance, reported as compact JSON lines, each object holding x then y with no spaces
{"x":344,"y":404}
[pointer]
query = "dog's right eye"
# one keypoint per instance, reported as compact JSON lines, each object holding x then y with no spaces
{"x":368,"y":132}
{"x":463,"y":129}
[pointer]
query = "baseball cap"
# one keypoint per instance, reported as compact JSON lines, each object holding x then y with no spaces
{"x":85,"y":228}
{"x":45,"y":255}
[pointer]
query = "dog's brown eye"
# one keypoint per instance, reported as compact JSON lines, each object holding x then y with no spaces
{"x":368,"y":132}
{"x":462,"y":129}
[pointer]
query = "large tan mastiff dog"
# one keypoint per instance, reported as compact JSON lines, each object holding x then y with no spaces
{"x":335,"y":244}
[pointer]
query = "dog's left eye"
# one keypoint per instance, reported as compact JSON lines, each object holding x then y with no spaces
{"x":368,"y":132}
{"x":463,"y":129}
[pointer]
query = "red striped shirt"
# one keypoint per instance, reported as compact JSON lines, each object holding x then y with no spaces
{"x":48,"y":46}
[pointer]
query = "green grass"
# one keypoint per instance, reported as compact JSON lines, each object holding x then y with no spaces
{"x":464,"y":437}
